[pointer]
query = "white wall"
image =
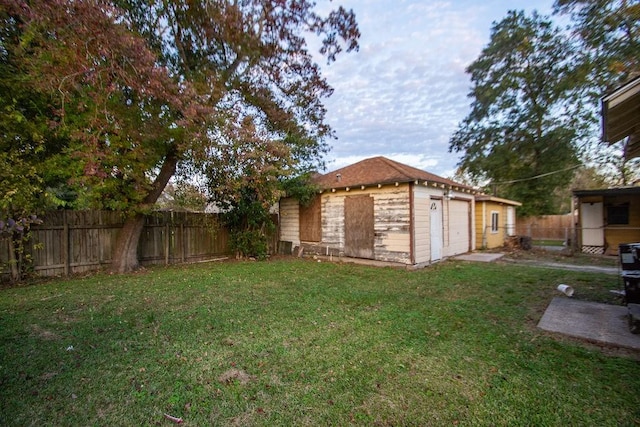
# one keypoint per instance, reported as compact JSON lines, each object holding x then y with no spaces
{"x":290,"y":221}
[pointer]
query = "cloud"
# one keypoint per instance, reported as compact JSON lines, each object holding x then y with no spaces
{"x":404,"y":93}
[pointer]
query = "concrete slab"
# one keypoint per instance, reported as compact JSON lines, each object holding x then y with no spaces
{"x":595,"y":322}
{"x":560,"y":266}
{"x":479,"y":257}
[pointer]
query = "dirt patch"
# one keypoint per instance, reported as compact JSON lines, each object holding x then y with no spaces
{"x":563,"y":256}
{"x":236,"y":376}
{"x":44,"y":334}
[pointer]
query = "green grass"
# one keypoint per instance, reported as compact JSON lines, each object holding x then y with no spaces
{"x":295,"y":342}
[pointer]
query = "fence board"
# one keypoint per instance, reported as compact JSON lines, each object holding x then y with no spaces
{"x":70,"y":242}
{"x":546,"y":227}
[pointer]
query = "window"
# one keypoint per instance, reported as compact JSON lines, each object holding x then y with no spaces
{"x":618,"y":214}
{"x":494,"y":222}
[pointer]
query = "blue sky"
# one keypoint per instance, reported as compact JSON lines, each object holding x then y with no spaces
{"x":404,"y":93}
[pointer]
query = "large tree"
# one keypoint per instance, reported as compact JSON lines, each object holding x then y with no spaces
{"x":149,"y":89}
{"x":609,"y":33}
{"x":523,"y":131}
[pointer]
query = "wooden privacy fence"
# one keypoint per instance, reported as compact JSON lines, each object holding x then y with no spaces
{"x":70,"y":242}
{"x":546,"y":227}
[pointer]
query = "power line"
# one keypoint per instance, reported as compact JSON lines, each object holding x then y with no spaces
{"x":535,"y":177}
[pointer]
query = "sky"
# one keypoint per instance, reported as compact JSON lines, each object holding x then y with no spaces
{"x":404,"y":93}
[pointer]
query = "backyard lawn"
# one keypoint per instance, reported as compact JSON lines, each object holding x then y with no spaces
{"x":298,"y":342}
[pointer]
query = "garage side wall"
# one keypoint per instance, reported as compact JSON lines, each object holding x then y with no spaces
{"x":392,"y":242}
{"x":290,"y":221}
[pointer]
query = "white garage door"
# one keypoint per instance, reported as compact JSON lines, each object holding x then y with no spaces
{"x":459,"y":234}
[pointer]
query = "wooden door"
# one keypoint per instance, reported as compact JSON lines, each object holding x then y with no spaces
{"x":311,"y":221}
{"x":358,"y":227}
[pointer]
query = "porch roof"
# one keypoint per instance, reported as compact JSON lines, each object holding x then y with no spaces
{"x":621,"y":191}
{"x":621,"y":116}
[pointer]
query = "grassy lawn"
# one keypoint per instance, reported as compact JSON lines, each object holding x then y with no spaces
{"x":295,"y":342}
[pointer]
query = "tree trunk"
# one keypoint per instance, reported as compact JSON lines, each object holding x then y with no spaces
{"x":125,"y":252}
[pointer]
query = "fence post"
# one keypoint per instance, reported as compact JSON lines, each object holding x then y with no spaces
{"x":166,"y":243}
{"x":183,"y":240}
{"x":66,"y":253}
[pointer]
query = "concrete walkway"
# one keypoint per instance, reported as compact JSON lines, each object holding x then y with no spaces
{"x":595,"y":322}
{"x":561,"y":266}
{"x":479,"y":256}
{"x":490,"y":257}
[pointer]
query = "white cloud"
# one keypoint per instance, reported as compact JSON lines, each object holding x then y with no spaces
{"x":403,"y":94}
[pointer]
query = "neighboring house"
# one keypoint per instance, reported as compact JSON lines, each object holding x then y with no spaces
{"x":607,"y":218}
{"x":382,"y":210}
{"x":621,"y":117}
{"x":495,"y":221}
{"x":611,"y":216}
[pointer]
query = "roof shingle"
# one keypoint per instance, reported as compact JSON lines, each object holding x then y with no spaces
{"x":378,"y":170}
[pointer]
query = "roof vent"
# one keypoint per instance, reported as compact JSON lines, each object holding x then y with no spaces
{"x":338,"y":177}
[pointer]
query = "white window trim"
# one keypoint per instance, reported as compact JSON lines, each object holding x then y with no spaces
{"x":495,"y":223}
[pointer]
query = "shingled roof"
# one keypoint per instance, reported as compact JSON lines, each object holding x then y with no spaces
{"x":380,"y":171}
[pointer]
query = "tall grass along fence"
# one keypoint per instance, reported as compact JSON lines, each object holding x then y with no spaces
{"x":69,"y":242}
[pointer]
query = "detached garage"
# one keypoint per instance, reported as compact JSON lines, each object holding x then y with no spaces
{"x":382,"y":210}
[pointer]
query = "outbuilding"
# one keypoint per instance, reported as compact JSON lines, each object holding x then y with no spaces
{"x":382,"y":210}
{"x":495,"y":221}
{"x":606,"y":218}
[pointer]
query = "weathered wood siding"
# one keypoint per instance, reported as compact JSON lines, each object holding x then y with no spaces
{"x":333,"y":221}
{"x":391,"y":222}
{"x":290,"y":221}
{"x":394,"y":222}
{"x":392,"y":212}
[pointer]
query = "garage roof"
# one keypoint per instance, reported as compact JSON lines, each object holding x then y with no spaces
{"x":621,"y":116}
{"x":382,"y":171}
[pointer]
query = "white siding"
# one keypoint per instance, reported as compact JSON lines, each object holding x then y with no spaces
{"x":459,"y":224}
{"x":421,"y":236}
{"x":290,"y":221}
{"x":392,"y":219}
{"x":332,"y":217}
{"x":392,"y":224}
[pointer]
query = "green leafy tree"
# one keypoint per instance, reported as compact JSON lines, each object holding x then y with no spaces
{"x":609,"y":33}
{"x":523,"y":132}
{"x":28,"y":149}
{"x":148,"y":90}
{"x":183,"y":196}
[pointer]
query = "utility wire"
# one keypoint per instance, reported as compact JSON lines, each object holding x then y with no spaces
{"x":535,"y":177}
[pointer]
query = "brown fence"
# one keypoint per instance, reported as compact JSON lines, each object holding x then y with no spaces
{"x":70,"y":242}
{"x":546,"y":227}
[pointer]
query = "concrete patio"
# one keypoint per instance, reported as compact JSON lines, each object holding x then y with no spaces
{"x":594,"y":322}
